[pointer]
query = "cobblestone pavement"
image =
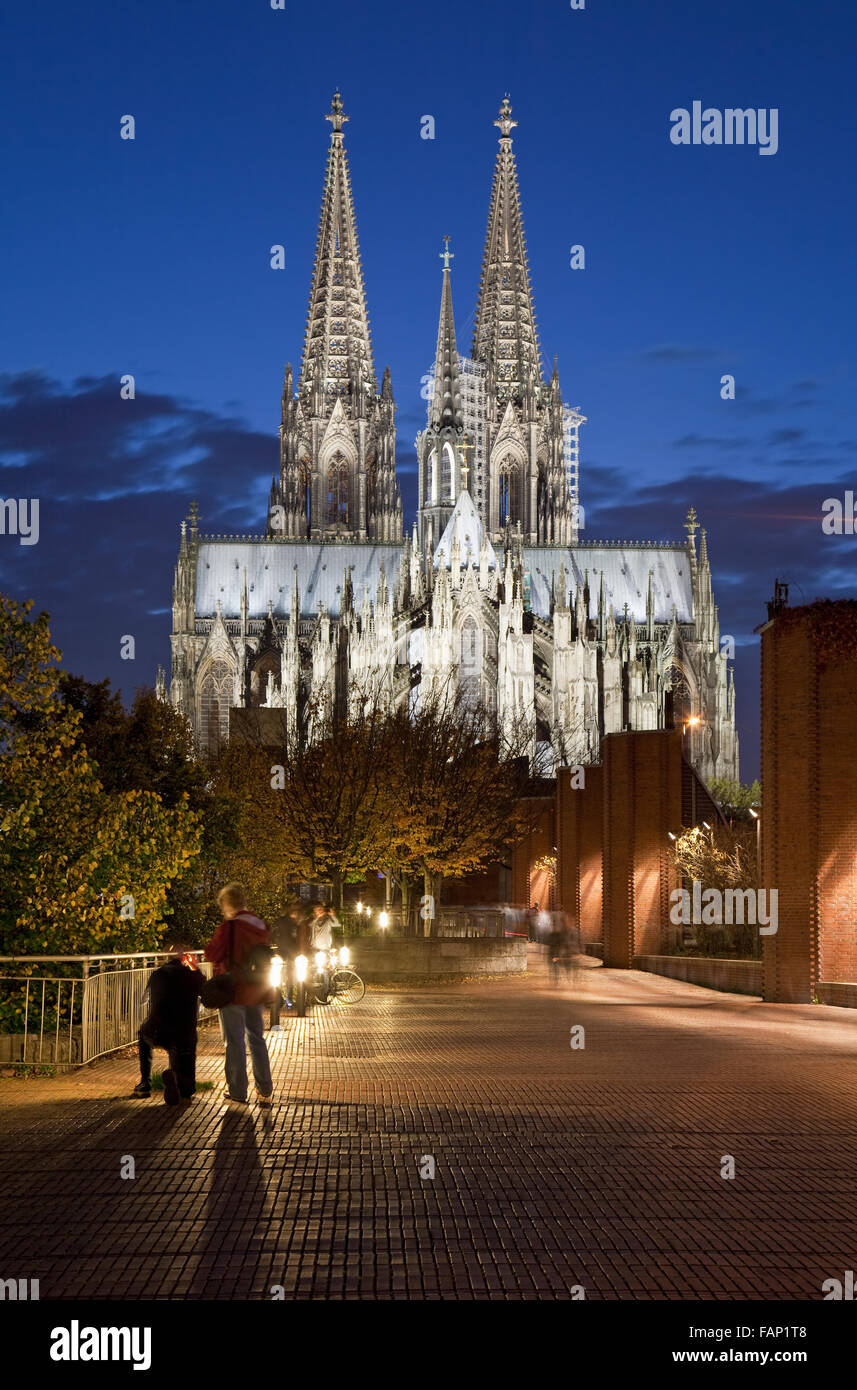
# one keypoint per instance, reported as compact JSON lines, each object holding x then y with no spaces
{"x":554,"y":1167}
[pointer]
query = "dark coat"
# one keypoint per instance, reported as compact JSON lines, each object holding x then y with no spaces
{"x":172,"y":995}
{"x":286,"y":934}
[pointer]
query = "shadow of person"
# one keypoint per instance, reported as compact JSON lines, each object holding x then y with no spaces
{"x":226,"y":1255}
{"x":75,"y":1173}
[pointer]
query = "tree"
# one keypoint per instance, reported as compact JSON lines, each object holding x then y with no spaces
{"x":82,"y":869}
{"x":735,"y":798}
{"x":151,"y":748}
{"x":454,"y":806}
{"x":722,"y":858}
{"x":312,"y":810}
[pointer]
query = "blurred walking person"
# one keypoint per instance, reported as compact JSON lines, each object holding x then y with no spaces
{"x":240,"y":947}
{"x":287,"y":934}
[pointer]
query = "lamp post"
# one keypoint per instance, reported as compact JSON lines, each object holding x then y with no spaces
{"x":758,"y":819}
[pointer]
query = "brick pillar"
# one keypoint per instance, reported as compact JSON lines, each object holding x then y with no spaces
{"x":641,"y":804}
{"x":809,"y":797}
{"x":579,"y":850}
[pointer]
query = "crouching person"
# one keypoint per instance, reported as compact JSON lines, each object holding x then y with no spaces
{"x":240,"y":948}
{"x":172,"y":995}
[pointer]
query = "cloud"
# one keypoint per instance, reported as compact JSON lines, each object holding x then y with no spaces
{"x":707,"y":441}
{"x":83,"y":443}
{"x":676,"y":352}
{"x":786,"y":436}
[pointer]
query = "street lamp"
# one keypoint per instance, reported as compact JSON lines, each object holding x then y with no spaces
{"x":383,"y":919}
{"x":758,"y":819}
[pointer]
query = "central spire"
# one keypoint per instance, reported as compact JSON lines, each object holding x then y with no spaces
{"x":446,"y":396}
{"x":337,"y":358}
{"x":505,"y":336}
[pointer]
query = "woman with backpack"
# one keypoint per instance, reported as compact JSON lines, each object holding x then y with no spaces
{"x":240,"y":949}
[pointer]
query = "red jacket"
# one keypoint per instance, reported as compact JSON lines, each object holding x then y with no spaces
{"x":247,"y":930}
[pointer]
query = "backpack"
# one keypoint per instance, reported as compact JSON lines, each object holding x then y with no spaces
{"x":255,"y":968}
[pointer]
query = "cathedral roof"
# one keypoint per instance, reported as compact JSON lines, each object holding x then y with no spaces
{"x":626,"y":577}
{"x":271,"y":565}
{"x":464,"y":526}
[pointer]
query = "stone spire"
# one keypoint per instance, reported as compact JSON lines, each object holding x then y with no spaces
{"x":443,"y":469}
{"x":337,"y":349}
{"x":337,"y":434}
{"x":446,"y":396}
{"x":505,"y":336}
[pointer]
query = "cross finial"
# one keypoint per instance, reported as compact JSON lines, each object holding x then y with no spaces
{"x":505,"y":124}
{"x":691,"y":523}
{"x":336,"y":115}
{"x":446,"y":255}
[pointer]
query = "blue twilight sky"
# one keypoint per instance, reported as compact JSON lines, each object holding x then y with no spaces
{"x":152,"y":257}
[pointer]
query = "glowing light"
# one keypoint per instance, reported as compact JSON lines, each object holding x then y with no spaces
{"x":301,"y":964}
{"x":276,"y":972}
{"x":383,"y":920}
{"x":344,"y":955}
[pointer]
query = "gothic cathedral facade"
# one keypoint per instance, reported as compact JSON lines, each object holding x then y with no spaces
{"x":493,"y":593}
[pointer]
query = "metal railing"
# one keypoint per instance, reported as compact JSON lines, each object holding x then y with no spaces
{"x":456,"y":923}
{"x":66,"y":1017}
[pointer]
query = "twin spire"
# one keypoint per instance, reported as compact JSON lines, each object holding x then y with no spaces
{"x":337,"y":347}
{"x":505,"y":336}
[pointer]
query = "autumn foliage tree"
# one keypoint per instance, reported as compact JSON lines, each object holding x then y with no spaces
{"x":453,"y":806}
{"x":420,"y":794}
{"x":83,"y":869}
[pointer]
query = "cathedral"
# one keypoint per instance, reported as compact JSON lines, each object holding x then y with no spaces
{"x":493,"y":593}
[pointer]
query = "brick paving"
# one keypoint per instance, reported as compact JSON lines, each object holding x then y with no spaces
{"x":554,"y":1168}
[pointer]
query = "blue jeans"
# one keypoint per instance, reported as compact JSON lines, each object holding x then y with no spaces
{"x":237,"y":1018}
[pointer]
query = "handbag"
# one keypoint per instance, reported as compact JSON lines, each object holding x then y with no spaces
{"x":220,"y":989}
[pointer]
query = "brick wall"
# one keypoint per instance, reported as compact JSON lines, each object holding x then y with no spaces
{"x":641,"y":803}
{"x":534,"y":846}
{"x":809,"y":813}
{"x":579,"y":812}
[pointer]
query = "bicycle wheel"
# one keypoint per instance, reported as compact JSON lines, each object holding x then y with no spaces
{"x":347,"y":987}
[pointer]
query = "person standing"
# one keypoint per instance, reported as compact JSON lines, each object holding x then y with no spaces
{"x":230,"y":951}
{"x":321,"y":925}
{"x":172,"y":995}
{"x":285,"y":939}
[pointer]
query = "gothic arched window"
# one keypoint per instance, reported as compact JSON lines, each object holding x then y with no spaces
{"x":509,"y":493}
{"x":371,"y":485}
{"x":305,"y":492}
{"x":446,"y":474}
{"x":337,"y":492}
{"x":215,"y":699}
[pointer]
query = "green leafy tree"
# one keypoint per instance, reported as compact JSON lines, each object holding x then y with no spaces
{"x":83,"y":869}
{"x":735,"y":798}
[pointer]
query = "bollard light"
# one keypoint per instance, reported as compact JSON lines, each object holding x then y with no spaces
{"x":383,"y":919}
